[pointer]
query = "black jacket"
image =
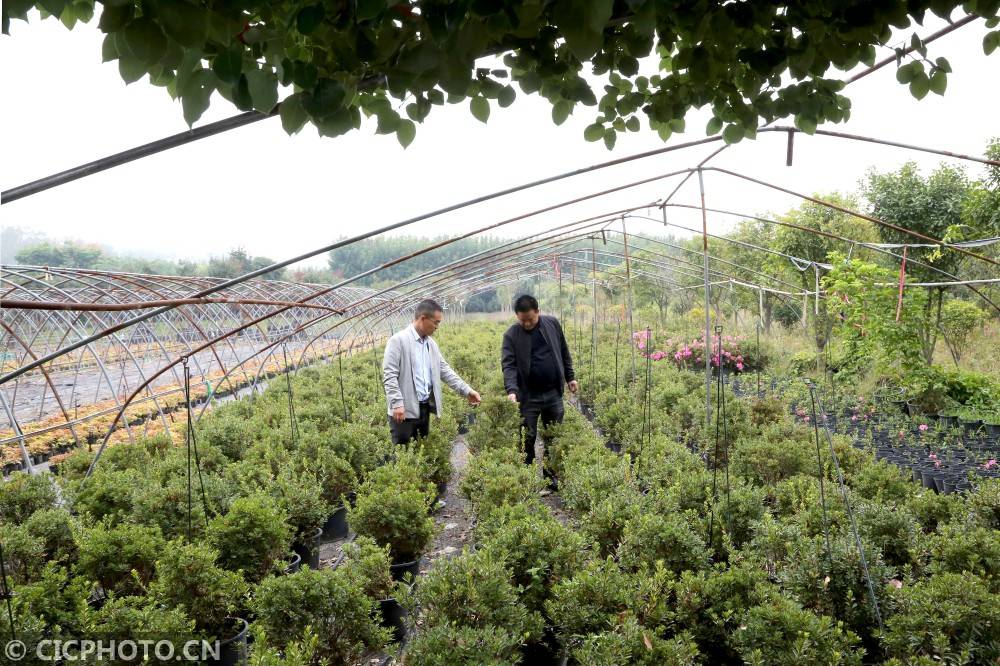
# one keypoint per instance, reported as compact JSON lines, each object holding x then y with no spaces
{"x":515,"y":355}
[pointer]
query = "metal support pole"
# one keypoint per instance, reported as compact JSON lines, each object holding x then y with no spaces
{"x":708,"y":315}
{"x":628,"y":288}
{"x":593,"y":322}
{"x":20,"y":435}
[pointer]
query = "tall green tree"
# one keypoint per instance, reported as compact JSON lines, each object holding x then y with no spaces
{"x":933,"y":206}
{"x":809,"y":242}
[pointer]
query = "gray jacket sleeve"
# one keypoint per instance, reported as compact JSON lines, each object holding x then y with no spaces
{"x":451,"y":378}
{"x":390,"y":373}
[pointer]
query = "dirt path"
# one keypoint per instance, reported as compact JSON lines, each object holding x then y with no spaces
{"x":453,"y":517}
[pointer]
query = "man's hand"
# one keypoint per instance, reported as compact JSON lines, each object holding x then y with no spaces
{"x":399,"y":414}
{"x":512,"y":397}
{"x":573,"y":386}
{"x":473,"y":398}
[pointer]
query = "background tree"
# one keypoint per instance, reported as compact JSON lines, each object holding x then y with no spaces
{"x":816,"y":248}
{"x":932,"y":206}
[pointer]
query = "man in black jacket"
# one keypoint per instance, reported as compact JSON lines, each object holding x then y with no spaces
{"x":536,"y":366}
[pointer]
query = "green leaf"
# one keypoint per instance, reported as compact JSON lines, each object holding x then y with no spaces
{"x":920,"y":86}
{"x":677,"y":125}
{"x":664,"y":132}
{"x":807,"y":125}
{"x":943,"y":65}
{"x":388,"y":121}
{"x":115,"y":18}
{"x":196,"y":94}
{"x":405,"y":132}
{"x":593,"y":132}
{"x":309,"y":18}
{"x":130,"y":69}
{"x":145,"y":40}
{"x":582,"y":23}
{"x":326,"y":99}
{"x":293,"y":114}
{"x":480,"y":107}
{"x":183,"y":22}
{"x":228,"y":65}
{"x":632,"y":124}
{"x":54,"y":7}
{"x":263,"y":87}
{"x":713,"y":126}
{"x":506,"y":96}
{"x":939,"y":82}
{"x":732,"y":134}
{"x":991,"y":41}
{"x":561,"y":111}
{"x":369,"y":9}
{"x":906,"y":73}
{"x":610,"y":136}
{"x":109,"y":49}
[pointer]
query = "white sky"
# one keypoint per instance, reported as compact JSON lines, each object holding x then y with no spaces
{"x":279,"y":196}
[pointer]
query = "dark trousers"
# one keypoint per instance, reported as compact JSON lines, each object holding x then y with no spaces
{"x":548,"y":406}
{"x":411,"y":429}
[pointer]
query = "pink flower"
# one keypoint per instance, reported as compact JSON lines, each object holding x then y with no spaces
{"x":896,"y":583}
{"x":990,"y":463}
{"x":739,"y":366}
{"x":923,"y":427}
{"x":854,"y":418}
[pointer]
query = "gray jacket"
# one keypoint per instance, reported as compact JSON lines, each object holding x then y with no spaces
{"x":397,"y":374}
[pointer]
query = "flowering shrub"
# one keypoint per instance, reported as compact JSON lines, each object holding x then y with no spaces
{"x":691,"y":354}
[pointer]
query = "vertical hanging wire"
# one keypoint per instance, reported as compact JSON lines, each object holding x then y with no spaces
{"x":850,"y":514}
{"x":340,"y":379}
{"x":191,"y":443}
{"x":819,"y":465}
{"x":708,"y":315}
{"x":293,"y":425}
{"x":618,"y":340}
{"x":7,"y":593}
{"x":758,"y":363}
{"x":628,"y":289}
{"x":593,"y":327}
{"x":647,"y":409}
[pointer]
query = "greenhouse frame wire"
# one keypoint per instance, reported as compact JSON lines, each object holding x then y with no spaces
{"x":74,"y":326}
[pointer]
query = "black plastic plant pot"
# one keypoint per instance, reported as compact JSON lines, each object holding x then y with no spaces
{"x":441,"y":489}
{"x":336,"y":525}
{"x":393,"y":617}
{"x":308,"y":548}
{"x":405,"y":571}
{"x":927,"y":479}
{"x":993,"y":430}
{"x":543,"y":652}
{"x":947,"y":420}
{"x":294,"y":564}
{"x":233,"y":650}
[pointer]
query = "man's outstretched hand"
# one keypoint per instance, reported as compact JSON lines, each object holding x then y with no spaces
{"x":512,"y":397}
{"x":473,"y":398}
{"x":399,"y":414}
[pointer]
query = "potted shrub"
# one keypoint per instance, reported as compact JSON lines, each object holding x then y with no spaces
{"x":301,"y":498}
{"x":394,"y":513}
{"x":121,"y":558}
{"x":338,"y":480}
{"x":368,"y":564}
{"x":473,"y":590}
{"x":331,"y":603}
{"x":782,"y":633}
{"x":23,"y":494}
{"x":188,"y":579}
{"x":252,"y":536}
{"x":449,"y":645}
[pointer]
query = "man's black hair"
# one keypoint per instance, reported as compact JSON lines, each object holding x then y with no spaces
{"x":427,"y":307}
{"x":525,"y":303}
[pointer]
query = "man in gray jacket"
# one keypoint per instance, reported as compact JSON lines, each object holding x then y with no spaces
{"x":412,"y":370}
